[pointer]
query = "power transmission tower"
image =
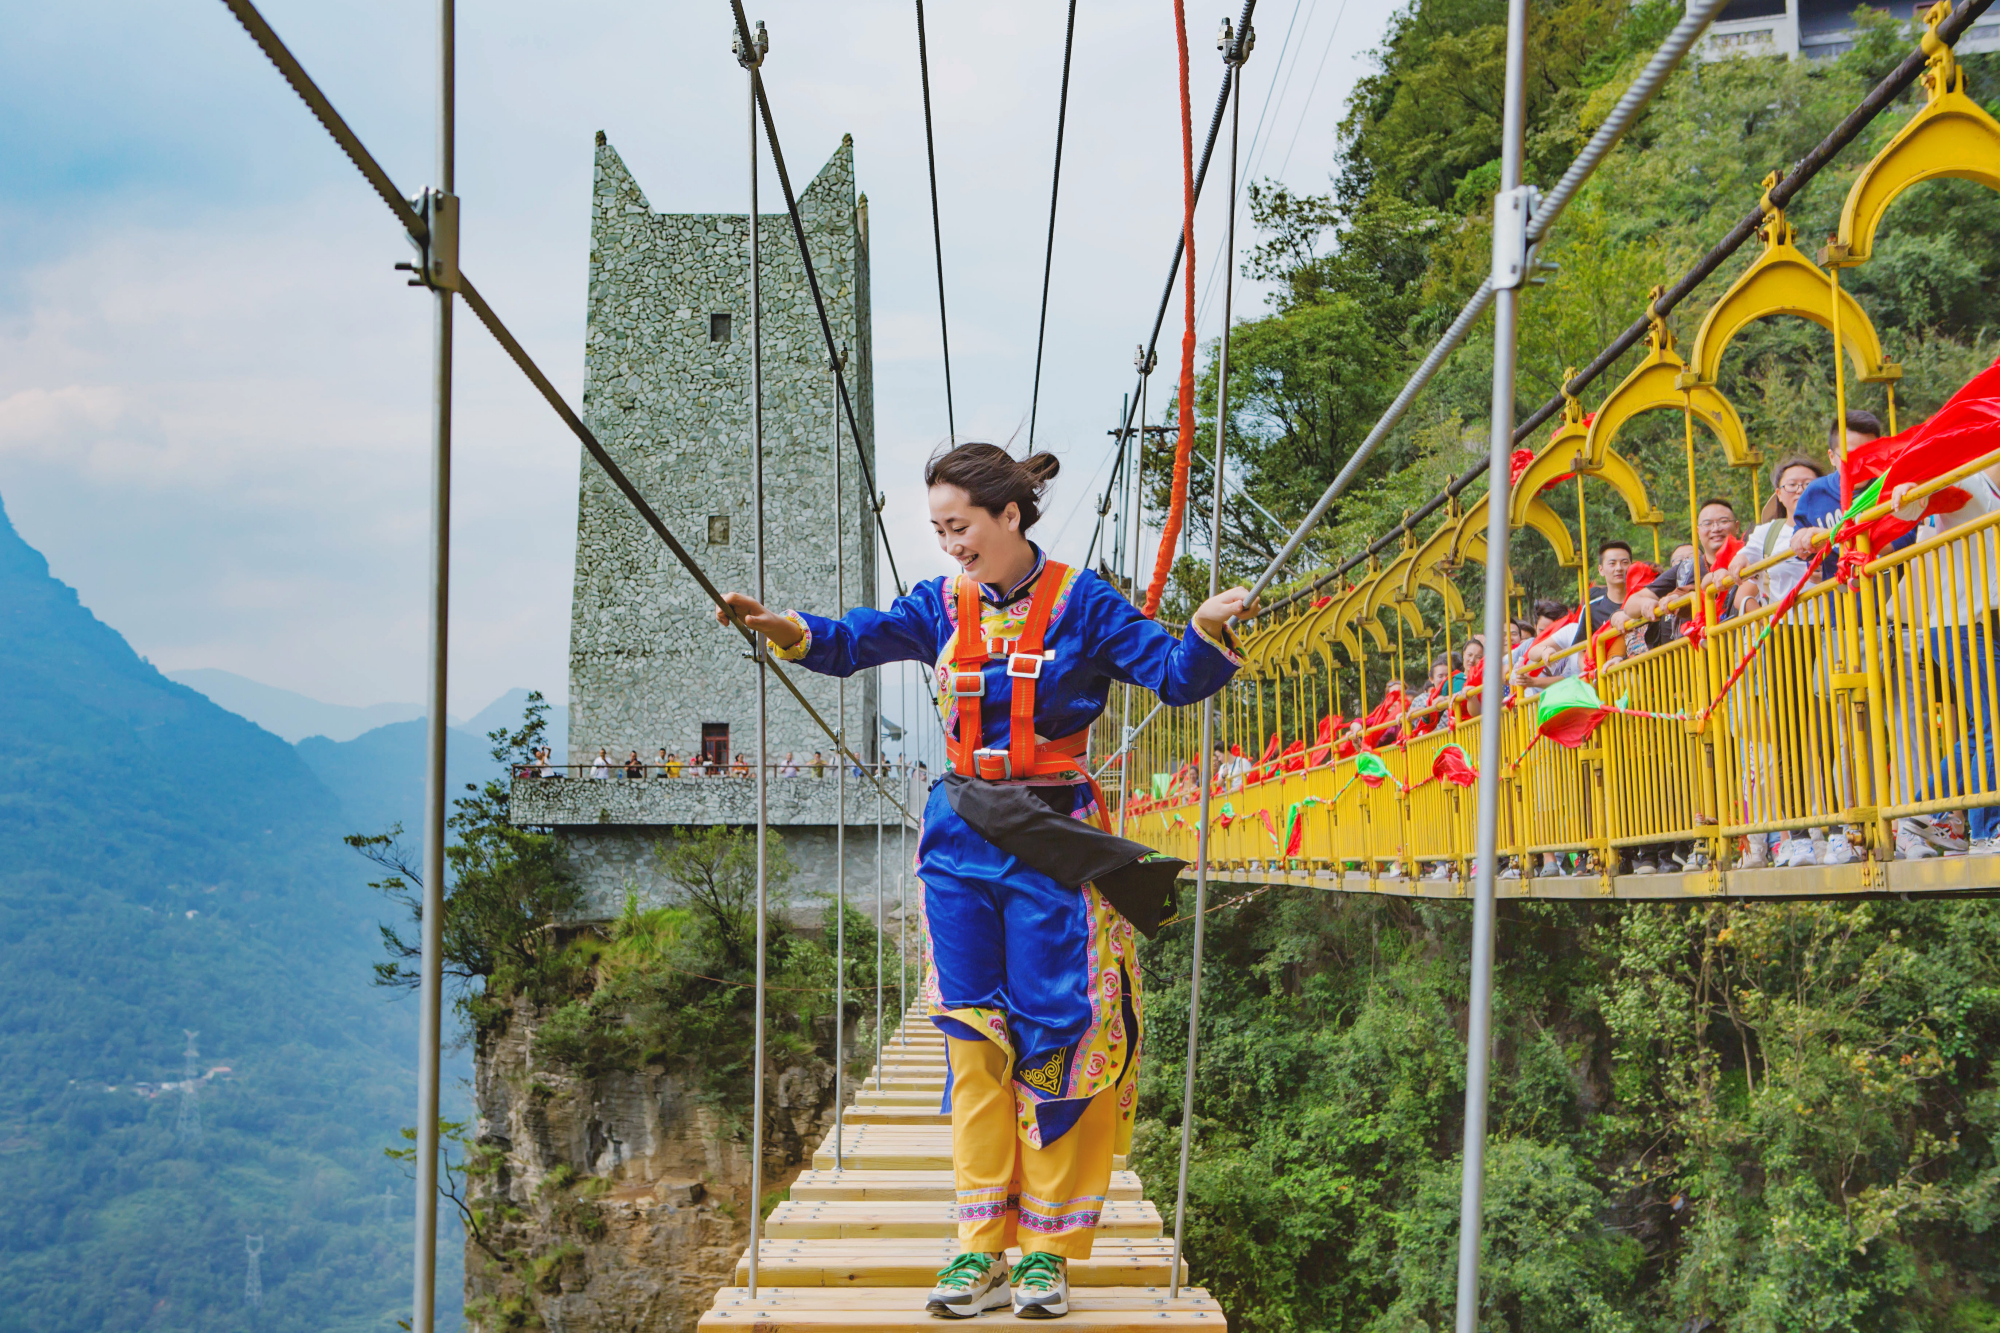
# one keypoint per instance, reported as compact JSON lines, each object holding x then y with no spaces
{"x":188,"y":1127}
{"x":253,"y":1280}
{"x":388,"y":1203}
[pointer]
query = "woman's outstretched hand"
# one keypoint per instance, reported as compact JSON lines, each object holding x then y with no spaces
{"x":776,"y":628}
{"x":1216,"y":613}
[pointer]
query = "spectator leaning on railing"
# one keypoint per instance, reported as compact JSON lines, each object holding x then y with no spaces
{"x":1964,"y":596}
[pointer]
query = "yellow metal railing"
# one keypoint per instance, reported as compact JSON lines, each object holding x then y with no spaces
{"x":1870,"y":701}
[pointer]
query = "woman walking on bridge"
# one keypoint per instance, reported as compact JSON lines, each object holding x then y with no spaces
{"x":1029,"y":906}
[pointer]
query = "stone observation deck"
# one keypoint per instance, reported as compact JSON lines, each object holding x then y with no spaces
{"x":794,"y":799}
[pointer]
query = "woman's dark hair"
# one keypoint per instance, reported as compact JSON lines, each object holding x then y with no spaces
{"x":1550,"y":609}
{"x":994,"y":478}
{"x":1775,"y":507}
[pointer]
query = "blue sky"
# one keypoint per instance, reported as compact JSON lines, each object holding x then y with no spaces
{"x":213,"y":401}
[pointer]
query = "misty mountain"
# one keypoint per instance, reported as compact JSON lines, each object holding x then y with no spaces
{"x":168,"y":867}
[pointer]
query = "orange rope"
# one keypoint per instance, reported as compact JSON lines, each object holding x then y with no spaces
{"x":1163,"y":563}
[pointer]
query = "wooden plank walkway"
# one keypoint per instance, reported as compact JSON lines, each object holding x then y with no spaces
{"x":857,"y":1248}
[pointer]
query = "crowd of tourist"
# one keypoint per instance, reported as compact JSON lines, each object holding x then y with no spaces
{"x":1938,"y":629}
{"x":710,"y":763}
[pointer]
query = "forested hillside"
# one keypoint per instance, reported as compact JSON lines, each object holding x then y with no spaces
{"x":1727,"y":1117}
{"x":167,"y":866}
{"x":1369,"y":273}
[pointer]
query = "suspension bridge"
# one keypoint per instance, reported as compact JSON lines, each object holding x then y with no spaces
{"x":1858,"y":724}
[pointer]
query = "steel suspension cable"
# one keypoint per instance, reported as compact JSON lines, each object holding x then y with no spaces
{"x":1200,"y":176}
{"x":1170,"y":530}
{"x":1634,"y":100}
{"x":267,"y":40}
{"x":1235,"y":54}
{"x":839,"y":818}
{"x":750,"y":55}
{"x":937,"y":226}
{"x":1641,"y":91}
{"x":1055,"y":192}
{"x":819,"y":300}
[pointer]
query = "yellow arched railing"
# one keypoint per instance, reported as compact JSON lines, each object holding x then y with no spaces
{"x":1655,"y":385}
{"x":1782,"y":281}
{"x":1951,"y":136}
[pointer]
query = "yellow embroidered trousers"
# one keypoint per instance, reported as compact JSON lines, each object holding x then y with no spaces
{"x":1010,"y":1192}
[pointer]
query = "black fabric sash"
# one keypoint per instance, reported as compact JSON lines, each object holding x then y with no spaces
{"x":1026,"y":822}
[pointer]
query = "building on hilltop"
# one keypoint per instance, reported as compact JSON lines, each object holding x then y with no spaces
{"x":667,"y":391}
{"x":1813,"y":29}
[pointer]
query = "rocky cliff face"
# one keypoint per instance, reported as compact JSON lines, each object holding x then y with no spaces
{"x":619,"y":1202}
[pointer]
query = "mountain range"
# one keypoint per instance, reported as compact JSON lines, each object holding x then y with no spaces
{"x":174,"y":897}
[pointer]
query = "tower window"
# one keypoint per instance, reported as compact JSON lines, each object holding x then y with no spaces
{"x":715,"y":745}
{"x":718,"y":529}
{"x":718,"y":327}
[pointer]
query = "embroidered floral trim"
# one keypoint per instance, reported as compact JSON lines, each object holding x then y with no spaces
{"x":1227,"y":645}
{"x":799,"y":649}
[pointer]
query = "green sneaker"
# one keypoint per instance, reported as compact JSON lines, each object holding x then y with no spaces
{"x":1041,"y":1287}
{"x":970,"y":1284}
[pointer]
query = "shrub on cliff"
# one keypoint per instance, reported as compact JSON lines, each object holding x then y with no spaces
{"x":508,"y":889}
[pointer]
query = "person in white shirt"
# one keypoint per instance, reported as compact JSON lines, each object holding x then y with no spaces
{"x":601,"y":767}
{"x":1963,"y":582}
{"x":1753,"y":714}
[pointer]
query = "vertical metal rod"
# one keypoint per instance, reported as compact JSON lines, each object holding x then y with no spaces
{"x":1234,"y":58}
{"x":839,"y":806}
{"x":431,"y":984}
{"x":1479,"y":1011}
{"x":758,"y":651}
{"x":1132,"y":496}
{"x":881,"y":922}
{"x":903,"y":865}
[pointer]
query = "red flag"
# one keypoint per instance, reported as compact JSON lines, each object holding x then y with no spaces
{"x":1294,"y":757}
{"x":1960,"y":431}
{"x":1451,"y":765}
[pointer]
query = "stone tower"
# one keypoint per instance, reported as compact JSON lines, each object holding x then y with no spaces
{"x":667,"y":387}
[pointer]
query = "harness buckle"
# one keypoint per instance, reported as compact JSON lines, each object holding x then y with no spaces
{"x":993,"y":765}
{"x":1024,"y":666}
{"x":968,"y":684}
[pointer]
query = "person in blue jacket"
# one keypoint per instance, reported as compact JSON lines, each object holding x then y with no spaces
{"x":1028,"y":908}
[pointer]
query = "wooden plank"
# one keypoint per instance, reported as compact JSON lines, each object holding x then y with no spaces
{"x":879,"y":1114}
{"x":917,"y":1185}
{"x":896,"y":1298}
{"x":915,"y":1263}
{"x":780,"y":1310}
{"x":880,"y":1219}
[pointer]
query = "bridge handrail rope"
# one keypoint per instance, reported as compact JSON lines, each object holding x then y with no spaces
{"x":294,"y":74}
{"x":1865,"y":111}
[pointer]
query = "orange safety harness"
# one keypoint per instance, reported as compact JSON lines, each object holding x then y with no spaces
{"x":1026,"y":755}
